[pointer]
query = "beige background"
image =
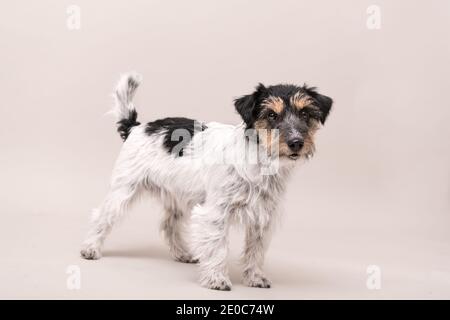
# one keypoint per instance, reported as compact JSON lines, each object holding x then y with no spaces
{"x":377,"y":191}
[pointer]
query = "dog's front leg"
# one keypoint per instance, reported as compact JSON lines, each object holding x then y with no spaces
{"x":256,"y":242}
{"x":210,"y":245}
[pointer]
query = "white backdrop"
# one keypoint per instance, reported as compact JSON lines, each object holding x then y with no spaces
{"x":376,"y":193}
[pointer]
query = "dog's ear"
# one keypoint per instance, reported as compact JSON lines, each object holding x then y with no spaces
{"x":323,"y":102}
{"x":246,"y":105}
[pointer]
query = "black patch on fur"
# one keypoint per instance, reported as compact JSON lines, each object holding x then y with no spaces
{"x":170,"y":125}
{"x":124,"y":126}
{"x":247,"y":106}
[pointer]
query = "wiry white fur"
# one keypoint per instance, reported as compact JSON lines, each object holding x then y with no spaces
{"x":124,"y":93}
{"x":197,"y":191}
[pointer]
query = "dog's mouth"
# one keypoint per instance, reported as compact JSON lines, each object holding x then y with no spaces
{"x":294,"y":156}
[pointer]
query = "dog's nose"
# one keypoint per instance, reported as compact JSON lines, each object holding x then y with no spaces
{"x":295,"y":144}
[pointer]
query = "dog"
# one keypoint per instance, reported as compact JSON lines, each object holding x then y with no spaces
{"x":177,"y":160}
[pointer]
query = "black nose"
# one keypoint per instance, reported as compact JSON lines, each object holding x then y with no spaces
{"x":295,"y":144}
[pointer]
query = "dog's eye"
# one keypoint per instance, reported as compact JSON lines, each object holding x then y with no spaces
{"x":304,"y":115}
{"x":272,"y":115}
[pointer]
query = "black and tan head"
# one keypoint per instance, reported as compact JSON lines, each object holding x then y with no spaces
{"x":295,"y":112}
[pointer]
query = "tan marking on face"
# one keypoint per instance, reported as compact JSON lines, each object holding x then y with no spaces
{"x":263,"y":126}
{"x":266,"y":135}
{"x":309,"y":146}
{"x":283,"y":148}
{"x":300,"y":100}
{"x":274,"y":103}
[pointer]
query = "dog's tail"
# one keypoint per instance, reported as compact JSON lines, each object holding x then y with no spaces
{"x":124,"y":109}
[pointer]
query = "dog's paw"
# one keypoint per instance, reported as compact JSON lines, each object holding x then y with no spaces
{"x":185,"y":258}
{"x":91,"y":253}
{"x":217,"y":282}
{"x":257,"y":281}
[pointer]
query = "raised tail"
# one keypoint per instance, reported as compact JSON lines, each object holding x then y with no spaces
{"x":124,"y":109}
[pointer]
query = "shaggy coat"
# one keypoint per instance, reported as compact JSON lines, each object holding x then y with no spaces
{"x":209,"y":175}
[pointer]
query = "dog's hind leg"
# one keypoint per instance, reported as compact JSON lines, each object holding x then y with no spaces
{"x":103,"y":218}
{"x":173,"y":228}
